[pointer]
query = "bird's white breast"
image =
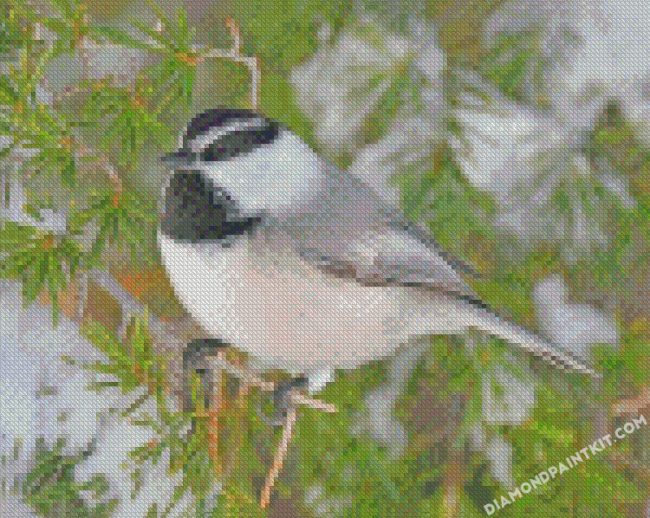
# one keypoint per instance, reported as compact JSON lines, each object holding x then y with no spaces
{"x":282,"y":311}
{"x":291,"y":315}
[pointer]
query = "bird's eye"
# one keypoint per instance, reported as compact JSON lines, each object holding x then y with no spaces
{"x":213,"y":153}
{"x":238,"y":143}
{"x":229,"y":145}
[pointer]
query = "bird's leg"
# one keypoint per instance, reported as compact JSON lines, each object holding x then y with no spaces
{"x":282,"y":394}
{"x":195,"y":358}
{"x":287,"y":396}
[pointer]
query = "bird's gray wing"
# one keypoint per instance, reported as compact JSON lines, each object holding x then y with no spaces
{"x":349,"y":231}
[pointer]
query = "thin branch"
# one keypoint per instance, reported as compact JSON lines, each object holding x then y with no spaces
{"x":278,"y":458}
{"x":295,"y":399}
{"x":233,"y":54}
{"x":216,"y":406}
{"x":236,"y":35}
{"x":243,"y":374}
{"x":633,"y":405}
{"x":83,"y":151}
{"x":309,"y":402}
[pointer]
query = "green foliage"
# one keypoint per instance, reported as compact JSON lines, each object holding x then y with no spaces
{"x":10,"y":29}
{"x":72,"y":26}
{"x":508,"y":63}
{"x":33,"y":125}
{"x":358,"y":475}
{"x":122,"y":219}
{"x":351,"y":467}
{"x":132,"y":364}
{"x":284,"y":33}
{"x":51,"y":490}
{"x":173,"y":78}
{"x":457,"y":214}
{"x":40,"y":259}
{"x":127,"y":120}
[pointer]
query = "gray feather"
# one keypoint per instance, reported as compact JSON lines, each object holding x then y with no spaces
{"x":349,"y":231}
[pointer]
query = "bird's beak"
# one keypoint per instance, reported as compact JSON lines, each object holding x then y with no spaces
{"x":179,"y":159}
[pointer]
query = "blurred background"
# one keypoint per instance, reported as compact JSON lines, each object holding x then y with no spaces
{"x":516,"y":131}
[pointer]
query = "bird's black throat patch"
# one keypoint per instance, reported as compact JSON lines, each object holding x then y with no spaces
{"x":194,"y":210}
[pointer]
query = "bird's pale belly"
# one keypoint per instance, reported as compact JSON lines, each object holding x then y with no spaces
{"x":283,"y":311}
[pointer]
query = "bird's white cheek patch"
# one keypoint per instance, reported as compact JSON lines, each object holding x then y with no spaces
{"x":283,"y":174}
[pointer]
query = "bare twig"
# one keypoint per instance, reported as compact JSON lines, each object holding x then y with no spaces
{"x":633,"y":405}
{"x":234,"y":54}
{"x":280,"y":455}
{"x":83,"y":151}
{"x":232,"y":26}
{"x":83,"y":52}
{"x":316,"y":404}
{"x":295,"y":399}
{"x":217,"y":404}
{"x":243,"y":374}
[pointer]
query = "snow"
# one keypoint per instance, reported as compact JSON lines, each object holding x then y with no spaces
{"x":408,"y":143}
{"x":512,"y":403}
{"x":502,"y":142}
{"x":525,"y":158}
{"x":344,"y":82}
{"x":111,"y":457}
{"x":507,"y":398}
{"x":380,"y":422}
{"x":574,"y":326}
{"x":339,"y":87}
{"x":596,"y":50}
{"x":498,"y":451}
{"x":53,"y":221}
{"x":42,"y":396}
{"x":12,"y":506}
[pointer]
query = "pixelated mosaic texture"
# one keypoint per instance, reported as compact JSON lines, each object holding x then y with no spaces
{"x":506,"y":140}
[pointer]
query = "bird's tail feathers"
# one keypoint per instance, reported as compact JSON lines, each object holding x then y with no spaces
{"x":553,"y":354}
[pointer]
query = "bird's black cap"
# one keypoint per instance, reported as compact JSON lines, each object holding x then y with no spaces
{"x":217,"y":117}
{"x":239,"y":140}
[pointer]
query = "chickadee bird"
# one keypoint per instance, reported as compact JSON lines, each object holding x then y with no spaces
{"x":279,"y":253}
